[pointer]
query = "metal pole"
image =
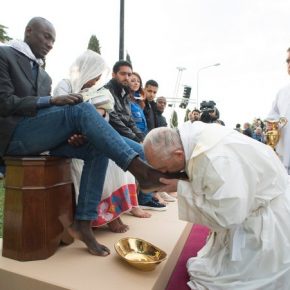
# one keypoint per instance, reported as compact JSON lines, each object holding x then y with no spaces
{"x":177,"y":84}
{"x":197,"y":80}
{"x":121,"y":42}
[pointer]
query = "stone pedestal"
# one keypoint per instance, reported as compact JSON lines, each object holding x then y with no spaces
{"x":38,"y":191}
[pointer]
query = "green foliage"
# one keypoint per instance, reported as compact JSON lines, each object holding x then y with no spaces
{"x":94,"y":44}
{"x":3,"y":35}
{"x":1,"y":206}
{"x":186,"y":115}
{"x":174,"y":120}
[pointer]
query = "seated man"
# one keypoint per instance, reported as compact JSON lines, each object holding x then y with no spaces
{"x":31,"y":122}
{"x":240,"y":190}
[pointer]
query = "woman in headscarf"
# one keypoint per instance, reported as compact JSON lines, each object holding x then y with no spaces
{"x":119,"y":191}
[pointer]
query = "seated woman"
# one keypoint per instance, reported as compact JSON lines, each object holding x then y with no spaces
{"x":119,"y":191}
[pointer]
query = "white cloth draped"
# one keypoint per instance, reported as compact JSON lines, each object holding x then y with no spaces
{"x":86,"y":67}
{"x":281,"y":108}
{"x":240,"y":190}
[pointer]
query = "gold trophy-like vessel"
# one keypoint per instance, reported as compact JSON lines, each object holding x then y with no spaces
{"x":273,"y":131}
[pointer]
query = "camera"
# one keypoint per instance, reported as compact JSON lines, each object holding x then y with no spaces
{"x":207,"y":106}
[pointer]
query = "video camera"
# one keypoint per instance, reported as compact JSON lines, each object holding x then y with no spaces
{"x":207,"y":106}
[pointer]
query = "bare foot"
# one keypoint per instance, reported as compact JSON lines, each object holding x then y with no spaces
{"x":82,"y":231}
{"x":117,"y":226}
{"x":173,"y":194}
{"x":148,"y":177}
{"x":139,"y":212}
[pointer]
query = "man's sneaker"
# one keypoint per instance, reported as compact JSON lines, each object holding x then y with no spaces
{"x":167,"y":197}
{"x":153,"y":205}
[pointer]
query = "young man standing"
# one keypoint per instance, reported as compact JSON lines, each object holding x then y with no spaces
{"x":150,"y":110}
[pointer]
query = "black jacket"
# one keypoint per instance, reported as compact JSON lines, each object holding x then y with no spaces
{"x":161,"y":120}
{"x":121,"y":118}
{"x":18,"y":91}
{"x":150,"y":112}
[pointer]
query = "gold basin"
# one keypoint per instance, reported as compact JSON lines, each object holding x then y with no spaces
{"x":139,"y":253}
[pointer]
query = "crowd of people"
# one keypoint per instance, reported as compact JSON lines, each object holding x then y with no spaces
{"x":125,"y":159}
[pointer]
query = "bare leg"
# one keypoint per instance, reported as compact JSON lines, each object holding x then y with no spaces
{"x":117,"y":226}
{"x":139,"y":212}
{"x":82,"y":231}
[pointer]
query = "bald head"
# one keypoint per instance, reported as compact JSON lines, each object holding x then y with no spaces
{"x":163,"y":150}
{"x":40,"y":36}
{"x":161,"y":104}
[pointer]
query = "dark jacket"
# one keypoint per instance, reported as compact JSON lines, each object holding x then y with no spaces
{"x":161,"y":120}
{"x":121,"y":118}
{"x":18,"y":91}
{"x":150,"y":112}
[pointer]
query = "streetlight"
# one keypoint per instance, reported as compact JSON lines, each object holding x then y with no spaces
{"x":177,"y":84}
{"x":197,"y":78}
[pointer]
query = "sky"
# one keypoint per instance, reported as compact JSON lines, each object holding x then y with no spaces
{"x":249,"y":39}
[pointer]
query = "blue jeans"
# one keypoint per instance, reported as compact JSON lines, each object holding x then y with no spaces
{"x":50,"y":130}
{"x":142,"y":197}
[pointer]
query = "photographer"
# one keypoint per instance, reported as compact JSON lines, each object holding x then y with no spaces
{"x":210,"y":113}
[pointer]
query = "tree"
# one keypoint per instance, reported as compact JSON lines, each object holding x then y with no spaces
{"x":3,"y":35}
{"x":94,"y":44}
{"x":174,"y":120}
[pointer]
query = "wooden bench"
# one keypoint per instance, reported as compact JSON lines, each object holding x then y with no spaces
{"x":38,"y":191}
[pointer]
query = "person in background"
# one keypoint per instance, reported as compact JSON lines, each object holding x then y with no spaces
{"x":150,"y":109}
{"x":240,"y":190}
{"x":281,"y":108}
{"x":121,"y":117}
{"x":238,"y":128}
{"x":161,"y":105}
{"x":210,"y":113}
{"x":137,"y":102}
{"x":259,"y":135}
{"x":194,"y":115}
{"x":247,"y":130}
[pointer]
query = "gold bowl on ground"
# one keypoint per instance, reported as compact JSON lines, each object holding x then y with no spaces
{"x":139,"y":253}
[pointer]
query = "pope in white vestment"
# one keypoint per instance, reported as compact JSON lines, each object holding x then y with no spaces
{"x":240,"y":190}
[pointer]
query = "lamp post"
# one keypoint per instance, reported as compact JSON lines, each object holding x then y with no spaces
{"x":197,"y":79}
{"x":121,"y":41}
{"x":177,"y":84}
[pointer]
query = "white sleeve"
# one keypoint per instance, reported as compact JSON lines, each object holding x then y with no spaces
{"x":274,"y":112}
{"x":62,"y":88}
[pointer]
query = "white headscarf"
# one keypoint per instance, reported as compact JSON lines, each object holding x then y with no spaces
{"x":86,"y":67}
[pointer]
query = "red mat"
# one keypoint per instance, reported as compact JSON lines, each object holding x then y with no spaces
{"x":194,"y":243}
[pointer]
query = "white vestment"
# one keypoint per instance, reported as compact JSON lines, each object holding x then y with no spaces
{"x":240,"y":190}
{"x":281,"y":108}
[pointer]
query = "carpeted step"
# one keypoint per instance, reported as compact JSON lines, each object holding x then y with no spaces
{"x":194,"y":242}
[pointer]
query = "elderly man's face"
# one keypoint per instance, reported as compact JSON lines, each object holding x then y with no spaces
{"x":175,"y":163}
